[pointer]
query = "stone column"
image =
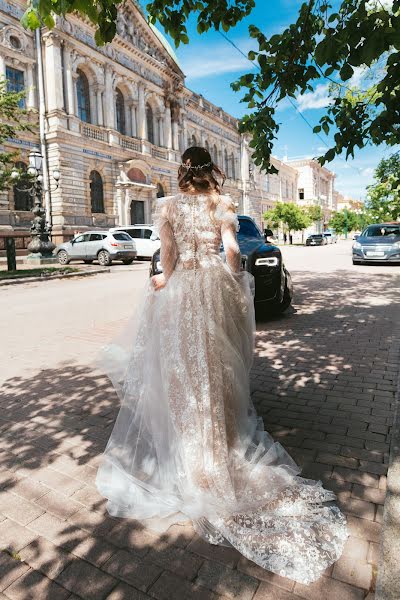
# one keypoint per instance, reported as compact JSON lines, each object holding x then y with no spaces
{"x":133,"y":120}
{"x":2,"y":67}
{"x":167,"y":127}
{"x":128,"y":120}
{"x":141,"y":124}
{"x":161,"y":131}
{"x":109,"y":113}
{"x":31,"y":96}
{"x":53,"y":72}
{"x":99,"y":103}
{"x":185,"y":132}
{"x":175,"y":136}
{"x":68,"y":80}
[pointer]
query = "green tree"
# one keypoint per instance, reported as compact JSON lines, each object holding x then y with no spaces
{"x":343,"y":221}
{"x":326,"y":43}
{"x":289,"y":216}
{"x":315,"y":212}
{"x":12,"y":121}
{"x":383,"y":196}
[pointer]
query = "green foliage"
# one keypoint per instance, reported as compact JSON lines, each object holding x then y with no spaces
{"x":344,"y":220}
{"x":315,"y":213}
{"x":288,"y":215}
{"x":12,"y":121}
{"x":325,"y":42}
{"x":383,"y":198}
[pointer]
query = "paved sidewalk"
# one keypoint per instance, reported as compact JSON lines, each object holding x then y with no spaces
{"x":324,"y":380}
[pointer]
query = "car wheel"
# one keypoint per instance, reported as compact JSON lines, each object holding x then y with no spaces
{"x":128,"y":261}
{"x":104,"y":258}
{"x":63,"y":257}
{"x":88,"y":261}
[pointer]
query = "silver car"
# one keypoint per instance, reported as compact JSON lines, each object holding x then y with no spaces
{"x":104,"y":246}
{"x":378,"y":242}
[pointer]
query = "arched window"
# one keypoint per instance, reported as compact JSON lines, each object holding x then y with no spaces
{"x":233,"y":167}
{"x":22,"y":198}
{"x":226,"y":163}
{"x":194,"y":140}
{"x":207,"y":146}
{"x":160,"y":191}
{"x":96,"y":192}
{"x":150,"y":123}
{"x":82,"y":89}
{"x":215,"y":154}
{"x":120,"y":112}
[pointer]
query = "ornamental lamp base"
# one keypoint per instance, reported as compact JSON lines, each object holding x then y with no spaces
{"x":38,"y":259}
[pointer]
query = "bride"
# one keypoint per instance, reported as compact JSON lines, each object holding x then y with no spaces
{"x":187,"y":443}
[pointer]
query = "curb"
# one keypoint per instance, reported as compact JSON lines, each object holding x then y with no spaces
{"x":50,"y":277}
{"x":388,"y":581}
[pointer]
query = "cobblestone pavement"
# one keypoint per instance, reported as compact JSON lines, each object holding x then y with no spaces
{"x":324,"y":380}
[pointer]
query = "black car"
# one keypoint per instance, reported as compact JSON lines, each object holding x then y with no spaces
{"x":316,"y":239}
{"x":273,"y":284}
{"x":378,"y":242}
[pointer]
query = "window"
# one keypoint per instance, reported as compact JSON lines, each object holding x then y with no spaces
{"x":82,"y":90}
{"x":150,"y":123}
{"x":134,"y":233}
{"x":96,"y":237}
{"x":15,"y":42}
{"x":301,"y":193}
{"x":96,"y":192}
{"x":248,"y":229}
{"x":233,"y":169}
{"x":147,"y":233}
{"x":122,"y":237}
{"x":120,"y":112}
{"x":82,"y":238}
{"x":207,"y":146}
{"x":194,"y":140}
{"x":22,"y":198}
{"x":15,"y":82}
{"x":382,"y":230}
{"x":160,"y":191}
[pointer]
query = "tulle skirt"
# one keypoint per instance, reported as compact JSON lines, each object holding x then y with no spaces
{"x":188,"y":444}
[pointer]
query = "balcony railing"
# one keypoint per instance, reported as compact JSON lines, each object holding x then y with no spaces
{"x":94,"y":132}
{"x":159,"y":152}
{"x":130,"y":143}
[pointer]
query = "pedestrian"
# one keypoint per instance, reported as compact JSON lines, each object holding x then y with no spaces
{"x":187,"y":443}
{"x":284,"y":238}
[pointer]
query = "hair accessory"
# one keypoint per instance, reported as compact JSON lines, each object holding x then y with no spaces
{"x":195,"y":167}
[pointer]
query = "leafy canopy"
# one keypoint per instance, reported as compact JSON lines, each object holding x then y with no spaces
{"x":289,"y":215}
{"x":327,"y":42}
{"x":12,"y":121}
{"x":344,"y":220}
{"x":383,"y":196}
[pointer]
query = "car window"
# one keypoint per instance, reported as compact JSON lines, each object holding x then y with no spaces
{"x":81,"y":238}
{"x":327,"y":234}
{"x":134,"y":233}
{"x":147,"y":233}
{"x":248,"y":229}
{"x":122,"y":236}
{"x":317,"y":235}
{"x":95,"y":237}
{"x":382,"y":230}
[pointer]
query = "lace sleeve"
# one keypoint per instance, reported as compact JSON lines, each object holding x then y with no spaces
{"x":227,"y":217}
{"x":162,"y":222}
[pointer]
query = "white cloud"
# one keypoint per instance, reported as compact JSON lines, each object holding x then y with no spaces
{"x":319,"y":98}
{"x":208,"y":60}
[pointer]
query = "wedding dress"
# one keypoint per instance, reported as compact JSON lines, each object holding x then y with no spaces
{"x":187,"y":443}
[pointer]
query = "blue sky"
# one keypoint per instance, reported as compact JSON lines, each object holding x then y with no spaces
{"x":210,"y":64}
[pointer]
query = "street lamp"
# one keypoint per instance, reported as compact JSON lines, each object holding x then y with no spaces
{"x":41,"y":246}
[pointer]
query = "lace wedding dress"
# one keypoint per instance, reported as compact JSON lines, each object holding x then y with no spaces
{"x":187,"y":443}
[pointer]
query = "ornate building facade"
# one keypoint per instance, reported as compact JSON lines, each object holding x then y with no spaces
{"x":116,"y":120}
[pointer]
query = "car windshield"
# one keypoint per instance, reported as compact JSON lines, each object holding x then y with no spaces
{"x":318,"y":235}
{"x":122,"y":237}
{"x":382,"y":230}
{"x":247,"y":229}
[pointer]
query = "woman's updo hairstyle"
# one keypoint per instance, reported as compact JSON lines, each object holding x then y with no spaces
{"x":198,"y":173}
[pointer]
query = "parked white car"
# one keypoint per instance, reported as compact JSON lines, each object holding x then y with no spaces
{"x":145,"y":236}
{"x":331,"y":237}
{"x":102,"y":246}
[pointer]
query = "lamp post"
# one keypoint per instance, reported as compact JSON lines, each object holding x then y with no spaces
{"x":41,"y":246}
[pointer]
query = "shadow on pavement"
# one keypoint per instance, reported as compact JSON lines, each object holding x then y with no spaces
{"x":310,"y":383}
